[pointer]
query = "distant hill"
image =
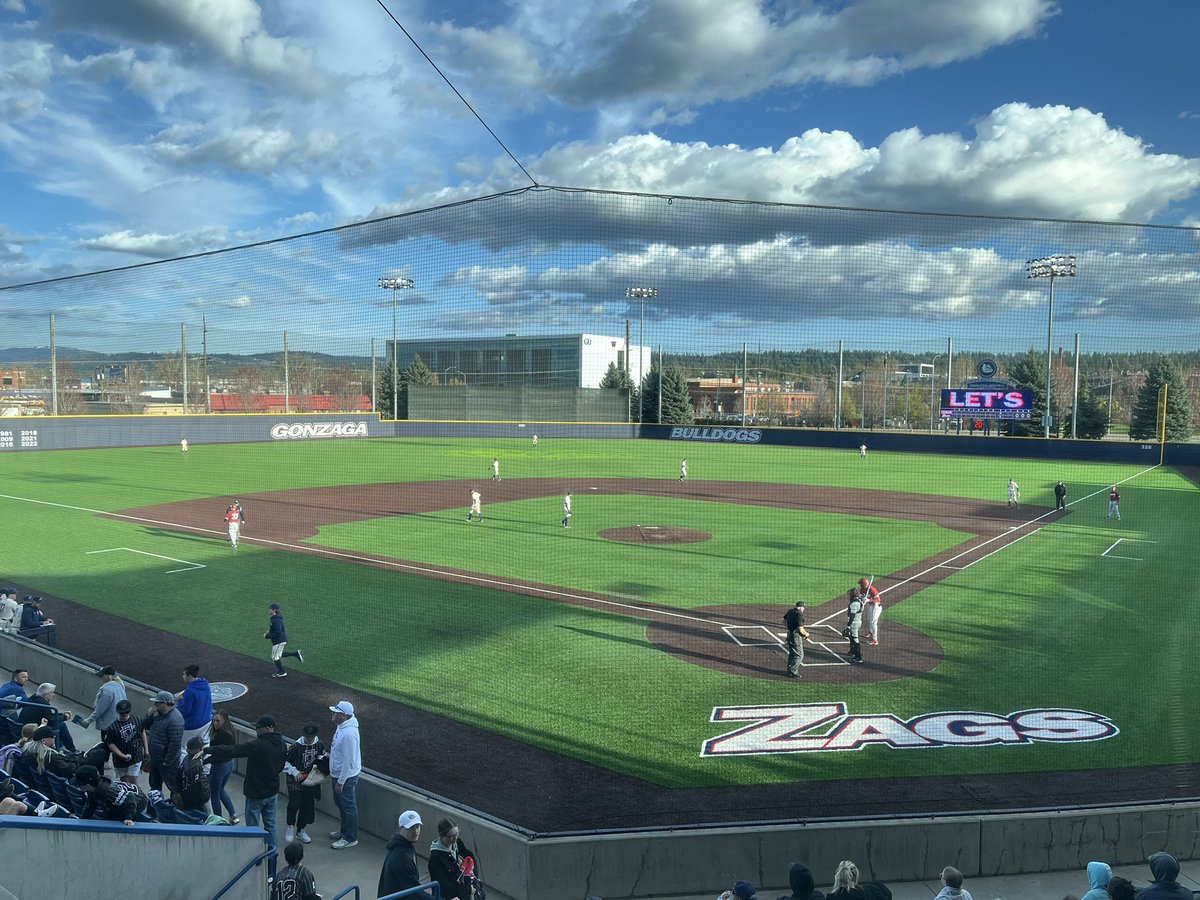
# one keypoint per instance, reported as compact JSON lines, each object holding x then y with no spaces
{"x":34,"y":356}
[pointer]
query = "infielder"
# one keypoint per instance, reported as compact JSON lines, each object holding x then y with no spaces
{"x":476,"y":511}
{"x":495,"y":469}
{"x":1114,"y":503}
{"x":1014,"y":494}
{"x":874,"y":604}
{"x":683,"y":470}
{"x":535,"y":440}
{"x":567,"y":510}
{"x":234,"y":517}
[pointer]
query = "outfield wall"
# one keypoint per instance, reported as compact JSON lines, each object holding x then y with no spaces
{"x":696,"y":860}
{"x":967,"y":444}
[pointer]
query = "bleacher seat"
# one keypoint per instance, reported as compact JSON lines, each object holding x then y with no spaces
{"x":10,"y":730}
{"x":76,"y":798}
{"x":191,"y":816}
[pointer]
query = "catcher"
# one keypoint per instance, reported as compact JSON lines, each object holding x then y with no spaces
{"x":797,"y":634}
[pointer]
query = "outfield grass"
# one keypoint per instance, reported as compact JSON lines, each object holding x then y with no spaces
{"x":1049,"y":622}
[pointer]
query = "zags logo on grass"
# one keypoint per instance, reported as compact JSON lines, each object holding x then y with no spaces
{"x":285,"y":432}
{"x":816,"y":727}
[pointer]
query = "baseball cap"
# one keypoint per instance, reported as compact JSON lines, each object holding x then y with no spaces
{"x":273,"y":606}
{"x":409,"y":818}
{"x":265,"y":722}
{"x":165,"y":697}
{"x":124,"y":706}
{"x":107,"y":670}
{"x":88,"y":775}
{"x":45,"y":731}
{"x":743,"y":890}
{"x":195,"y":743}
{"x":345,"y":707}
{"x":310,"y":729}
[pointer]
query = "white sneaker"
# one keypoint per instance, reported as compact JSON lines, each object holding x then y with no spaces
{"x":48,"y":809}
{"x":342,"y":844}
{"x":303,"y":835}
{"x":290,"y":835}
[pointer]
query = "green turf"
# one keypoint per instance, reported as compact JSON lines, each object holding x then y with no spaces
{"x":1047,"y":622}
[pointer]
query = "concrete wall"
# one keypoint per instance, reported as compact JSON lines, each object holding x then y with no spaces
{"x":71,"y":858}
{"x":519,"y":864}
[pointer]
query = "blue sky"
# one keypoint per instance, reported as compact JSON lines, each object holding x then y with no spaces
{"x":149,"y":129}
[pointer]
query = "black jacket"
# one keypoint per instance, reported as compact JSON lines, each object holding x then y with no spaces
{"x":801,"y":880}
{"x":399,"y":871}
{"x":265,"y":756}
{"x":444,"y":869}
{"x":1165,"y":886}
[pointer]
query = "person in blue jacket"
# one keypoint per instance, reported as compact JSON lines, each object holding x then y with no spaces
{"x":194,"y":703}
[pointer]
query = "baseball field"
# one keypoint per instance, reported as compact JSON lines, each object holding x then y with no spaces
{"x":643,"y":646}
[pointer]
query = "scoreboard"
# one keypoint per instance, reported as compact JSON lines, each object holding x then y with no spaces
{"x":1001,"y":402}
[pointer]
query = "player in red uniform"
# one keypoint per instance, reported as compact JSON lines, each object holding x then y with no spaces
{"x":870,"y":596}
{"x":1114,"y":503}
{"x":234,"y":517}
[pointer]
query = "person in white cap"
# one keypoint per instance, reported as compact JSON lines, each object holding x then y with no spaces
{"x":345,"y":765}
{"x":400,"y":870}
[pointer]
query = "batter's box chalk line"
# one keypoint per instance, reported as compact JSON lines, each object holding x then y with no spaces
{"x":763,"y":636}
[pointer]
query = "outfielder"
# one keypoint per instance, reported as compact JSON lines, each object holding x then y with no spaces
{"x":183,"y":445}
{"x":566,"y":523}
{"x":862,"y":451}
{"x":683,"y":470}
{"x":874,"y":604}
{"x":476,"y":510}
{"x":495,"y":469}
{"x":1014,"y":494}
{"x":234,"y":517}
{"x":1114,"y":503}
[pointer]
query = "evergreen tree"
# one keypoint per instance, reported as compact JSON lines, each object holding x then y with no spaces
{"x":416,"y":372}
{"x":384,"y":398}
{"x":1093,"y":417}
{"x":616,"y":378}
{"x":1028,"y":372}
{"x":676,"y":403}
{"x":1144,"y":424}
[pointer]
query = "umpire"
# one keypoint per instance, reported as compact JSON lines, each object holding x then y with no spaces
{"x":796,"y":633}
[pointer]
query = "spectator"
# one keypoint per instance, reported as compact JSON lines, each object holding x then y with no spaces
{"x":194,"y":703}
{"x":34,"y":622}
{"x":11,"y":806}
{"x":448,"y":864}
{"x":221,"y":734}
{"x":345,"y":765}
{"x":846,"y":885}
{"x":10,"y":611}
{"x":39,"y":709}
{"x":742,"y":890}
{"x":399,"y":871}
{"x":952,"y":886}
{"x":1098,"y":874}
{"x":123,"y":739}
{"x":9,"y":753}
{"x":301,"y":757}
{"x":108,"y":799}
{"x":1120,"y":888}
{"x":265,"y":757}
{"x":193,"y":782}
{"x":294,"y":882}
{"x":801,"y":879}
{"x":39,"y":757}
{"x":14,"y":690}
{"x":163,"y":735}
{"x":1164,"y":886}
{"x":112,"y":692}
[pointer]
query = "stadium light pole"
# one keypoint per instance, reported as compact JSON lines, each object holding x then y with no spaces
{"x":641,"y":294}
{"x":1051,"y":267}
{"x":932,"y":387}
{"x":395,"y":285}
{"x":1108,"y":424}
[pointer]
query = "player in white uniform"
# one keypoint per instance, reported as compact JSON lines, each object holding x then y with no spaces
{"x":234,"y":517}
{"x":683,"y":470}
{"x":495,"y":470}
{"x":1014,"y":494}
{"x":535,"y":440}
{"x":567,"y":510}
{"x":476,"y":511}
{"x":183,"y":446}
{"x":862,"y":451}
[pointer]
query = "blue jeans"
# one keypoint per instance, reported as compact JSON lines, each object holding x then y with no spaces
{"x":347,"y":804}
{"x":266,"y":809}
{"x":218,"y":777}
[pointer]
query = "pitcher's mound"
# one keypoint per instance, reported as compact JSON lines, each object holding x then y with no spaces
{"x":655,"y":534}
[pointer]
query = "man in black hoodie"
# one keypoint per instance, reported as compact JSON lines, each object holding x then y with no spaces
{"x":400,"y":870}
{"x":801,"y":880}
{"x":1165,"y":885}
{"x":265,"y":756}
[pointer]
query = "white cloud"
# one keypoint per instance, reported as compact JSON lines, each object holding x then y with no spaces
{"x":158,"y":246}
{"x":25,"y":72}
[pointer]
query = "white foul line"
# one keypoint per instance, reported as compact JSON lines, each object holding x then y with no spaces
{"x":188,"y":566}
